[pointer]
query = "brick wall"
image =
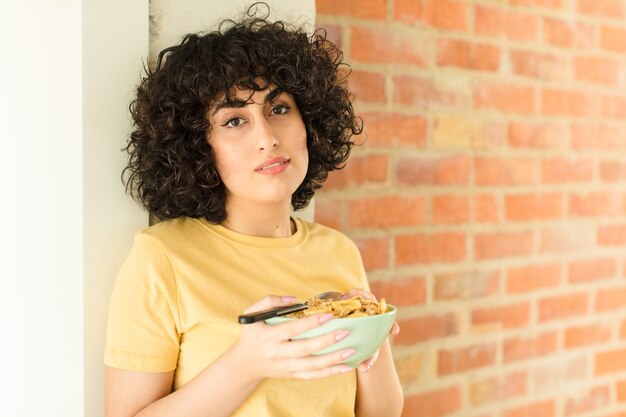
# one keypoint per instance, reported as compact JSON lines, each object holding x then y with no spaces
{"x":489,"y":200}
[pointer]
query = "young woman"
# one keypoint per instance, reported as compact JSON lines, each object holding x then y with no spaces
{"x":233,"y":129}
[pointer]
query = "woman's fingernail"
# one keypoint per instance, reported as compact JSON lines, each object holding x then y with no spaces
{"x":325,"y":317}
{"x":367,"y":367}
{"x":347,"y":354}
{"x":342,"y":335}
{"x":288,"y":298}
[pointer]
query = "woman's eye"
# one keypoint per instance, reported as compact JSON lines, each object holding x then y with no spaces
{"x":280,"y":109}
{"x":233,"y":122}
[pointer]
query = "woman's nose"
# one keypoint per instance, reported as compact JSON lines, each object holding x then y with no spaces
{"x":265,"y":135}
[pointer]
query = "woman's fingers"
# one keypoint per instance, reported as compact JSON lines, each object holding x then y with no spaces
{"x":319,"y":365}
{"x":395,"y":329}
{"x":367,"y":364}
{"x":303,"y":347}
{"x":270,"y":301}
{"x":290,"y":329}
{"x":353,"y":292}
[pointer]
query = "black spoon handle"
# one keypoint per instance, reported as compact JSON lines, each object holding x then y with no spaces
{"x":269,"y":313}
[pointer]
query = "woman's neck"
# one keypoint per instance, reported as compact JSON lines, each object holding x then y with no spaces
{"x":260,"y":221}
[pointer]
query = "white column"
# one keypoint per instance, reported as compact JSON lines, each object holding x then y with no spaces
{"x":41,"y":305}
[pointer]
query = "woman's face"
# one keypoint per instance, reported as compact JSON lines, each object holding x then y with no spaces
{"x":260,"y":149}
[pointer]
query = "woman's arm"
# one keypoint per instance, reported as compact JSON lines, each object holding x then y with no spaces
{"x":262,"y":351}
{"x":379,"y":393}
{"x":218,"y":390}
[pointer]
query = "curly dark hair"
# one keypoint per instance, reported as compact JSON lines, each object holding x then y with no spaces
{"x":171,"y":166}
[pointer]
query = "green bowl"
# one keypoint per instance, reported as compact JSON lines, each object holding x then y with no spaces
{"x":366,"y":333}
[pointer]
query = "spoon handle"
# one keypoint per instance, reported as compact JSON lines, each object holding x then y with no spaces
{"x":269,"y":313}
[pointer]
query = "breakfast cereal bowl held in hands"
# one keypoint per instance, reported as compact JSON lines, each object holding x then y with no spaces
{"x":367,"y":333}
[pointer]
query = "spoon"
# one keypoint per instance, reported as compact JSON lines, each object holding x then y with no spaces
{"x":281,"y":311}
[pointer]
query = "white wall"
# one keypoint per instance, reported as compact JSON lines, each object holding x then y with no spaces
{"x":41,"y":306}
{"x":115,"y":46}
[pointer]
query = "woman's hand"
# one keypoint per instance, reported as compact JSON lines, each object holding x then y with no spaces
{"x":367,"y":364}
{"x":268,"y":351}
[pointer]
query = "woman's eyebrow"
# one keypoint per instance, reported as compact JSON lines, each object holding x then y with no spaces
{"x":236,"y":104}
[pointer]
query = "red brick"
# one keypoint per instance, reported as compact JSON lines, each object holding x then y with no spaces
{"x":566,"y":238}
{"x":505,"y":171}
{"x":534,"y":206}
{"x":450,"y":209}
{"x":502,"y":317}
{"x":597,"y":136}
{"x":368,"y":87}
{"x":563,"y":306}
{"x":487,"y":208}
{"x":463,"y":54}
{"x":328,"y":212}
{"x":460,"y":131}
{"x":401,"y":292}
{"x":530,"y":278}
{"x":442,"y":14}
{"x":610,"y":299}
{"x":612,"y":235}
{"x":498,"y":388}
{"x":464,"y":359}
{"x":594,"y":204}
{"x":424,"y":93}
{"x":598,"y":70}
{"x":522,"y":348}
{"x":375,"y":252}
{"x":587,"y":335}
{"x":561,"y":370}
{"x":383,"y":212}
{"x":592,"y":270}
{"x":613,"y":38}
{"x":538,"y":135}
{"x":566,"y":170}
{"x":465,"y":285}
{"x":614,"y":107}
{"x":607,"y":8}
{"x":428,"y":327}
{"x":334,"y":33}
{"x":612,"y":171}
{"x":542,"y":66}
{"x":502,"y":244}
{"x":544,"y":4}
{"x":363,"y":9}
{"x":543,"y":409}
{"x":434,"y":403}
{"x":622,"y":330}
{"x":394,"y":129}
{"x":608,"y":362}
{"x":566,"y":103}
{"x":565,"y":33}
{"x":620,"y":388}
{"x":387,"y":46}
{"x":430,"y":248}
{"x":499,"y":23}
{"x":360,"y":170}
{"x":505,"y":97}
{"x":432,"y":170}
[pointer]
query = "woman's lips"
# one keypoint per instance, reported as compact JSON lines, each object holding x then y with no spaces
{"x":273,"y":166}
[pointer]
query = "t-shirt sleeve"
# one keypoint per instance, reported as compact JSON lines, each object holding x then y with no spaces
{"x":143,"y":330}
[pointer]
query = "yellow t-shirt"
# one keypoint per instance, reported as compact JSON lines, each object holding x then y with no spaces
{"x":177,"y":297}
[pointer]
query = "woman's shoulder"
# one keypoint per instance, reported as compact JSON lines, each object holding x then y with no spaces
{"x":172,"y":231}
{"x":327,"y":233}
